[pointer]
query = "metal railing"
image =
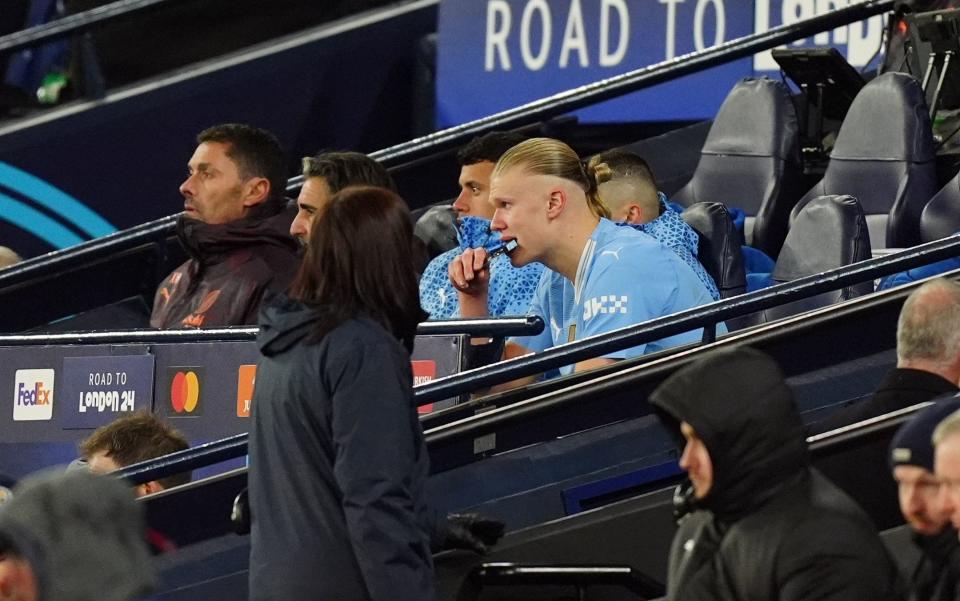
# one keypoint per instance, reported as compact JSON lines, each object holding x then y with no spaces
{"x":236,"y":446}
{"x":76,"y":23}
{"x":620,"y":85}
{"x":685,"y":321}
{"x":538,"y":110}
{"x":529,"y":325}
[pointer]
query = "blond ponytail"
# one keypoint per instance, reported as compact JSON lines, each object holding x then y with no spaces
{"x":596,"y":174}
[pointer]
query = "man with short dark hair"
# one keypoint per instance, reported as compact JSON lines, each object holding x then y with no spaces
{"x":131,"y":439}
{"x":511,"y":288}
{"x":761,"y":522}
{"x":632,"y":196}
{"x":234,"y":227}
{"x":326,"y":174}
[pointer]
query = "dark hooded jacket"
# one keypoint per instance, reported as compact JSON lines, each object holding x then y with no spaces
{"x":337,"y":465}
{"x":232,"y":268}
{"x":770,"y":527}
{"x":936,"y":576}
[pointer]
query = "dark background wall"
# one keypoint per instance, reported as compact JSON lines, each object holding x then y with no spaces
{"x":124,"y":156}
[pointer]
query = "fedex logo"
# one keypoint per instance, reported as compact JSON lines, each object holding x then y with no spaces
{"x":605,"y":305}
{"x":33,"y":395}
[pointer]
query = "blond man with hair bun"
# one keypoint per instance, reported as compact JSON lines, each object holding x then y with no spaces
{"x":600,"y":276}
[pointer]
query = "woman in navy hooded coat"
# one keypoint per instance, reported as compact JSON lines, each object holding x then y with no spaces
{"x":337,"y":459}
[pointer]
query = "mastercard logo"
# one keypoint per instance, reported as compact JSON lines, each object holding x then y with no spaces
{"x":185,"y":391}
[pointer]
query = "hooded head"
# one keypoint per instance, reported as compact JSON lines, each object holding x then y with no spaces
{"x":81,"y":536}
{"x":739,"y":408}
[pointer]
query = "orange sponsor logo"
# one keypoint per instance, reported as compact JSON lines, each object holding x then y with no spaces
{"x":423,"y":372}
{"x":246,"y":377}
{"x":196,"y":319}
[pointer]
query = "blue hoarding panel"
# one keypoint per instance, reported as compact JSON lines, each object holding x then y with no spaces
{"x":97,"y":390}
{"x":498,"y":54}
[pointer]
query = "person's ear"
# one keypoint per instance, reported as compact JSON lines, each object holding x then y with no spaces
{"x":635,"y":214}
{"x":556,"y":202}
{"x":16,"y":580}
{"x":151,"y":487}
{"x":257,"y":190}
{"x":6,"y":579}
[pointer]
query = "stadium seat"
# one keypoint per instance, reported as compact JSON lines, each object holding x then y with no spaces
{"x":436,"y":228}
{"x":751,"y":160}
{"x":829,"y":232}
{"x":941,"y":216}
{"x":719,"y":249}
{"x":889,"y":169}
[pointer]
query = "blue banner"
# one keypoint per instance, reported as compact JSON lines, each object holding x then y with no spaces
{"x":97,"y":390}
{"x":494,"y":55}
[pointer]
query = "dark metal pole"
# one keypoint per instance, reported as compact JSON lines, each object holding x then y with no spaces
{"x":527,"y":325}
{"x":691,"y":319}
{"x":61,"y":28}
{"x":613,"y":87}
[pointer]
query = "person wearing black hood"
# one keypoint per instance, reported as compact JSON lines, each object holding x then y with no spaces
{"x":936,"y":573}
{"x":338,"y":463}
{"x":761,"y":523}
{"x":235,"y":228}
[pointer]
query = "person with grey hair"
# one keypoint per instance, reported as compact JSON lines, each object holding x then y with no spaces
{"x":946,"y":466}
{"x":928,"y":356}
{"x":73,"y":536}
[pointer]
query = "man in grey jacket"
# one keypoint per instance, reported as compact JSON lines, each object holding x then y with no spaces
{"x":73,"y":536}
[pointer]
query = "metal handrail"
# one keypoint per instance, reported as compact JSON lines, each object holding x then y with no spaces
{"x":527,"y":325}
{"x":88,"y":251}
{"x":685,"y":321}
{"x":61,"y":28}
{"x":236,"y":446}
{"x":538,"y":110}
{"x":619,"y":85}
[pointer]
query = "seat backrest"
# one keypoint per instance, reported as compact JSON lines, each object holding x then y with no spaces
{"x":436,"y":227}
{"x":751,"y":160}
{"x":884,"y":156}
{"x":719,"y":248}
{"x":829,"y":232}
{"x":941,"y":216}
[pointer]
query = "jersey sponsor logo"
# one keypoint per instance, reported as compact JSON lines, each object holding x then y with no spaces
{"x":186,"y":388}
{"x":246,"y":378}
{"x":33,"y":395}
{"x":607,"y":304}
